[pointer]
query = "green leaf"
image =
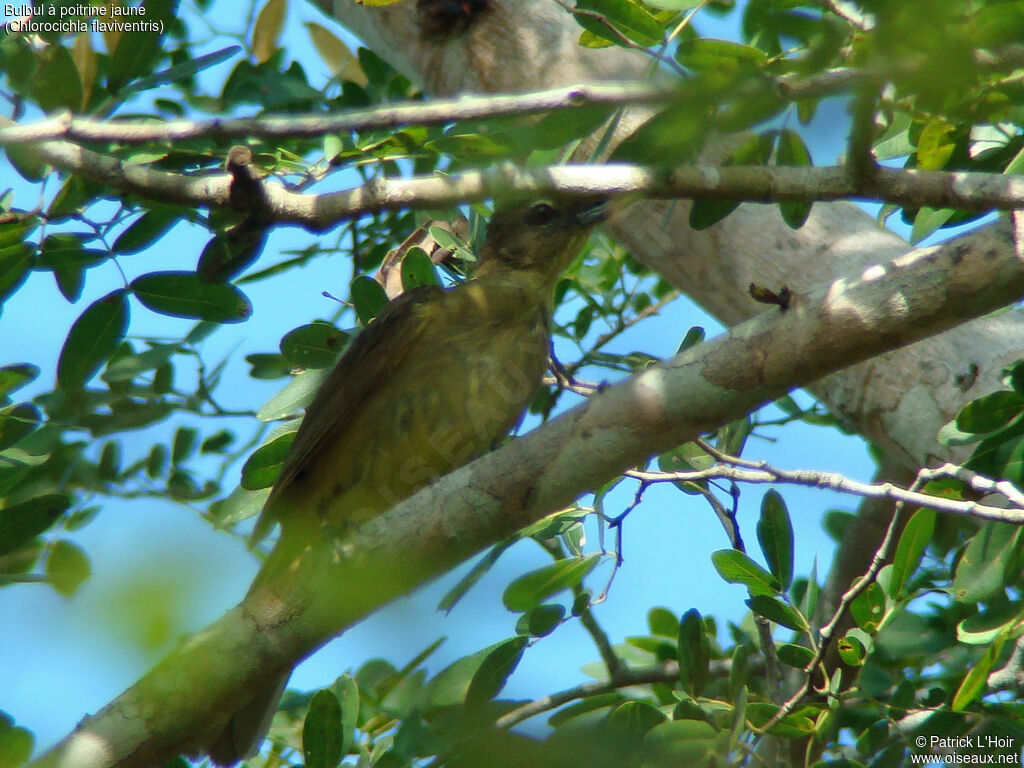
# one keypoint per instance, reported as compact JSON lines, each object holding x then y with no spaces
{"x":57,"y":84}
{"x":990,"y":412}
{"x":851,"y":651}
{"x":913,"y":542}
{"x":368,"y":298}
{"x":736,"y":568}
{"x":534,"y":588}
{"x":685,"y":458}
{"x":694,"y":653}
{"x":137,"y":49}
{"x":67,"y":567}
{"x":680,"y":742}
{"x":267,"y":29}
{"x":775,"y":610}
{"x":661,"y":621}
{"x":65,"y":251}
{"x":688,"y":709}
{"x":70,"y":283}
{"x":590,"y":704}
{"x":694,"y":336}
{"x":935,"y":145}
{"x":128,"y":367}
{"x":927,"y":221}
{"x":775,"y":535}
{"x":544,"y":619}
{"x":796,"y":725}
{"x":1001,"y":454}
{"x":895,"y":142}
{"x":706,"y":212}
{"x":228,"y":254}
{"x":20,"y":523}
{"x":989,"y":563}
{"x":27,"y":163}
{"x":738,"y":671}
{"x":836,"y":522}
{"x":184,"y":294}
{"x":479,"y":569}
{"x":494,"y":670}
{"x":796,"y":656}
{"x":156,"y":462}
{"x":15,"y":261}
{"x":322,"y":735}
{"x":674,"y":5}
{"x":239,"y":505}
{"x":451,"y":685}
{"x":146,"y":230}
{"x":557,"y":129}
{"x":17,"y":421}
{"x":182,"y":71}
{"x":129,"y":415}
{"x":184,"y":444}
{"x":316,"y":345}
{"x":15,"y":376}
{"x":347,"y":691}
{"x":631,"y":720}
{"x":984,"y":627}
{"x":16,"y":744}
{"x":720,"y":58}
{"x":296,"y":395}
{"x":263,"y":467}
{"x":267,"y":367}
{"x":109,"y":465}
{"x":93,"y":338}
{"x":418,"y":269}
{"x":673,"y":135}
{"x":1016,"y":165}
{"x":975,"y":682}
{"x":793,"y":151}
{"x":636,"y":23}
{"x":868,"y":608}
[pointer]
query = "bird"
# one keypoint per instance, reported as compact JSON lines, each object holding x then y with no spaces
{"x":437,"y":379}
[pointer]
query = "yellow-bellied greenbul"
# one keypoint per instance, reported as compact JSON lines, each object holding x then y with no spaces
{"x":431,"y":383}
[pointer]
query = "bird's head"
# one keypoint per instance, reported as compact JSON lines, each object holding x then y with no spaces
{"x":541,"y":235}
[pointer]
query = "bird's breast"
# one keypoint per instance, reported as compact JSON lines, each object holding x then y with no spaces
{"x":453,"y":398}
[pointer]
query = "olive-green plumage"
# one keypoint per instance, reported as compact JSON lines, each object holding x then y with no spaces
{"x":434,"y":381}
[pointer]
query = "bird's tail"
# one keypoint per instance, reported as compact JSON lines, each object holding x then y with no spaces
{"x":247,"y":728}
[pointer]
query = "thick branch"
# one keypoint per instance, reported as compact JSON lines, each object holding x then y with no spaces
{"x":186,"y":697}
{"x":898,"y":402}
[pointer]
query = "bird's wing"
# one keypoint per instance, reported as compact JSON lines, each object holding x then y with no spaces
{"x":370,"y":360}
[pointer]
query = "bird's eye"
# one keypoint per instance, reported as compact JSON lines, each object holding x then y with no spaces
{"x":540,"y":214}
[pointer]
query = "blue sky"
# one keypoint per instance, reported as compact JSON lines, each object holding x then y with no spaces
{"x":68,"y":657}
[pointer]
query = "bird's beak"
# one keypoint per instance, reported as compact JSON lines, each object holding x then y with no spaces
{"x":593,"y":213}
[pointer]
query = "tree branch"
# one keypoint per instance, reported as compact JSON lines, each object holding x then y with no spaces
{"x":436,"y":112}
{"x":317,"y":212}
{"x":185,"y":699}
{"x":757,"y":472}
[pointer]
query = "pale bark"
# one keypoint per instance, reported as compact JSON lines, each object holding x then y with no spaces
{"x":189,"y":695}
{"x":899,"y":401}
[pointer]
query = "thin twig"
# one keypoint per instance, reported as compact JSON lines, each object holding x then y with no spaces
{"x":848,"y":14}
{"x":759,"y":472}
{"x":826,"y":632}
{"x":612,"y":662}
{"x":434,"y":112}
{"x":622,"y":326}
